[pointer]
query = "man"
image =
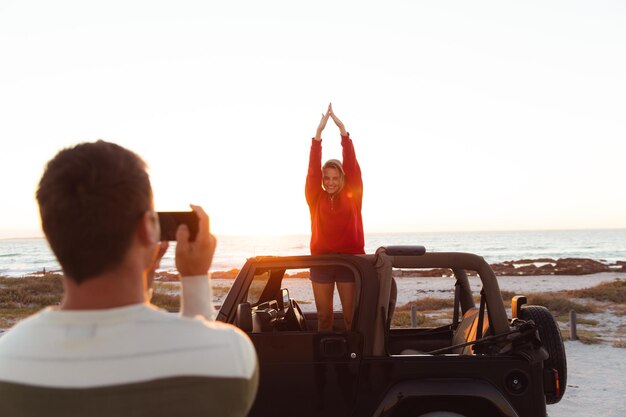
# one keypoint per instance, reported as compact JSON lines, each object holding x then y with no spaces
{"x":106,"y":350}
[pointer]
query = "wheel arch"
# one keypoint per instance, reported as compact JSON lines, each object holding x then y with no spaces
{"x":455,"y":388}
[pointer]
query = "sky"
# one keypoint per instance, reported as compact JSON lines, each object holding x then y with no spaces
{"x":483,"y":115}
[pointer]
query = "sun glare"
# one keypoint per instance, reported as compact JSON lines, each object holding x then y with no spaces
{"x":231,"y":212}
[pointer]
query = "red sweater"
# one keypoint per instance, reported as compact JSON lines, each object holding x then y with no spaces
{"x":336,"y":223}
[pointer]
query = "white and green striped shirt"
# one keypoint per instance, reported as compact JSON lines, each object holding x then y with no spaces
{"x":135,"y":360}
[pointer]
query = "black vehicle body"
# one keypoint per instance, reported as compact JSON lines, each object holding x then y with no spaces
{"x":481,"y":364}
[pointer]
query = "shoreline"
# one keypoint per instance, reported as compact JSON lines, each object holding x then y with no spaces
{"x":520,"y":268}
{"x":515,"y":268}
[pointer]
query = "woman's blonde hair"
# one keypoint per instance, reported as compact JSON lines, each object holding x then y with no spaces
{"x":334,"y":163}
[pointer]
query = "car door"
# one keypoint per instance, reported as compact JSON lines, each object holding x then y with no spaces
{"x":302,"y":372}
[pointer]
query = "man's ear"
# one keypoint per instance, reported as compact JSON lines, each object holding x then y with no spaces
{"x":149,"y":230}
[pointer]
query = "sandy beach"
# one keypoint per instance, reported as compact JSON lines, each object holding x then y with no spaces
{"x":595,"y":385}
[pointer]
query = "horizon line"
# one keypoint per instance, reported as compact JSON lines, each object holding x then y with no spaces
{"x":383,"y":233}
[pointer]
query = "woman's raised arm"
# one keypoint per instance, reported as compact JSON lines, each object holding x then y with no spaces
{"x":322,"y":125}
{"x":339,"y":123}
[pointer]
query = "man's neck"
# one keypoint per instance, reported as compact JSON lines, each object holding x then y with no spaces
{"x":117,"y":288}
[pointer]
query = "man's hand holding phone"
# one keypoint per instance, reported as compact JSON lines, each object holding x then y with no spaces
{"x":195,"y":257}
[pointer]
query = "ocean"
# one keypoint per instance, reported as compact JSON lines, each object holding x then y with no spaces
{"x":19,"y":257}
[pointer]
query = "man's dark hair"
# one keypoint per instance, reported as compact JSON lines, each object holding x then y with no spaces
{"x":91,"y":198}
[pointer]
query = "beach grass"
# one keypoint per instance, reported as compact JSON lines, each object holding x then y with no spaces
{"x":166,"y":301}
{"x":431,"y":311}
{"x":559,"y":303}
{"x":619,"y":309}
{"x":402,"y":318}
{"x":427,"y":304}
{"x":166,"y":295}
{"x":612,"y":291}
{"x":167,"y":286}
{"x":587,"y":337}
{"x":21,"y":297}
{"x":31,"y":291}
{"x":427,"y":318}
{"x":579,"y":320}
{"x":556,"y":301}
{"x":597,"y":299}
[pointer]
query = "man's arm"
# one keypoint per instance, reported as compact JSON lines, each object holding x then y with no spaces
{"x":196,"y":297}
{"x":193,"y":260}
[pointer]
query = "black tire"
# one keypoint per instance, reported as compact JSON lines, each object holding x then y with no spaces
{"x":552,"y":341}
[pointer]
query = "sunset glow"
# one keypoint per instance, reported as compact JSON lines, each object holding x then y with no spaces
{"x":482,"y":116}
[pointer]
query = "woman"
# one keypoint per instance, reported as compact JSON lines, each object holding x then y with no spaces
{"x":334,"y":193}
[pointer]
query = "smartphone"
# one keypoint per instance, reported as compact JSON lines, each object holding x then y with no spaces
{"x":170,"y":220}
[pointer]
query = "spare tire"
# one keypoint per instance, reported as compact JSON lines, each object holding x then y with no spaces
{"x":552,"y":341}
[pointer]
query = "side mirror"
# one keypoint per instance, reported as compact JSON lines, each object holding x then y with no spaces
{"x":516,"y":305}
{"x":244,"y":317}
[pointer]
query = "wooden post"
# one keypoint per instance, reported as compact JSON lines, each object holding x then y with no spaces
{"x":413,"y":316}
{"x":572,"y":325}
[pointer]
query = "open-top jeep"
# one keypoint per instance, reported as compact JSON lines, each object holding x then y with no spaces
{"x":480,"y":363}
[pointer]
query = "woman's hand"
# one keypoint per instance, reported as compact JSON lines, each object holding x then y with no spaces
{"x":339,"y":123}
{"x":322,"y":125}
